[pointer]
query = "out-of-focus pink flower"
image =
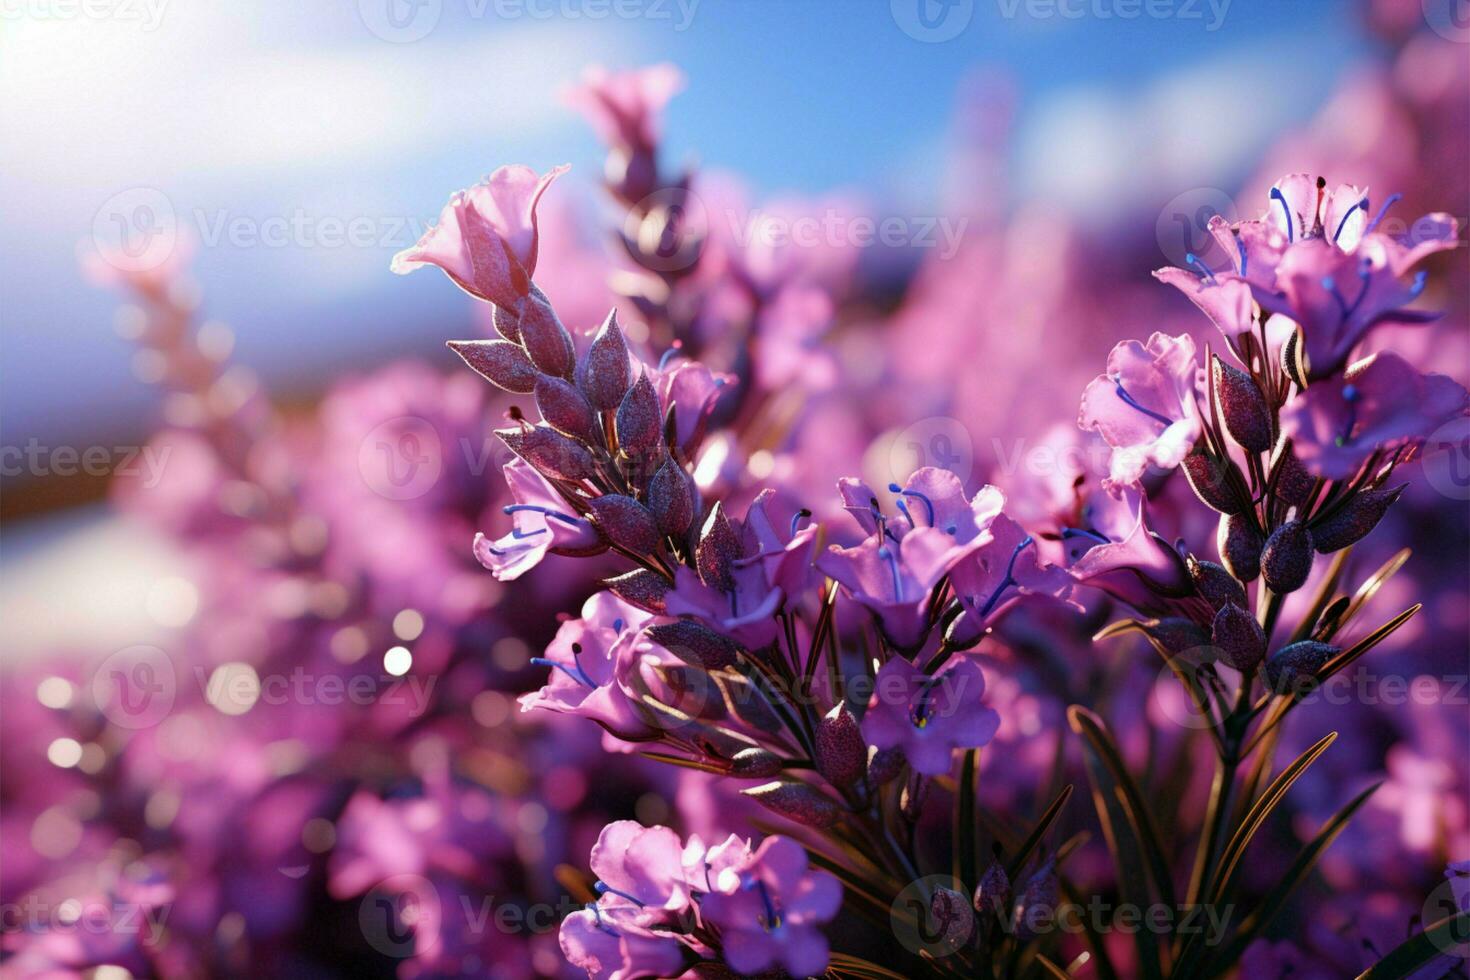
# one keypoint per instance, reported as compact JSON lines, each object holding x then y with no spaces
{"x":623,"y":107}
{"x":1144,"y":405}
{"x":768,"y":908}
{"x":485,"y":239}
{"x":928,"y":717}
{"x":1379,"y":403}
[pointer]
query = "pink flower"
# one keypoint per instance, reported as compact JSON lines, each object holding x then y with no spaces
{"x":485,"y":239}
{"x":624,"y":107}
{"x":608,"y":948}
{"x":1379,"y":403}
{"x":644,"y":865}
{"x":929,"y":717}
{"x":768,"y":908}
{"x":998,"y":575}
{"x":1116,"y":552}
{"x":543,"y":522}
{"x":1144,"y":406}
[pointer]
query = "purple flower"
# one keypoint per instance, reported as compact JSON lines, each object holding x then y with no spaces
{"x":644,"y":865}
{"x":691,"y":390}
{"x":997,"y":575}
{"x":485,"y":239}
{"x":1379,"y":403}
{"x":595,"y":663}
{"x":768,"y":908}
{"x":929,"y":717}
{"x":623,"y":107}
{"x":1144,"y":406}
{"x":1118,"y":553}
{"x":599,"y":940}
{"x":543,"y":522}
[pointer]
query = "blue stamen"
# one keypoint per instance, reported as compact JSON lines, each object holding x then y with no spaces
{"x":800,"y":516}
{"x":1276,"y":195}
{"x":920,"y":713}
{"x":1009,"y":581}
{"x":545,"y":511}
{"x":1383,"y":210}
{"x":1420,"y":278}
{"x":617,"y":625}
{"x":1244,"y":257}
{"x":903,"y":509}
{"x":1330,"y":284}
{"x":1205,"y":271}
{"x":519,"y":534}
{"x":597,"y":912}
{"x":887,"y":555}
{"x":673,"y":349}
{"x":772,"y":919}
{"x":928,"y":504}
{"x":1363,"y":204}
{"x":603,"y":888}
{"x":1131,"y":403}
{"x":1351,"y":395}
{"x":577,"y":674}
{"x":1077,"y":532}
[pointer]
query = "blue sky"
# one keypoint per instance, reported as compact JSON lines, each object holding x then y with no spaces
{"x":265,"y":111}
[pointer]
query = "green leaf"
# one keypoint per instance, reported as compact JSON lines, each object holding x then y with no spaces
{"x":1439,"y":939}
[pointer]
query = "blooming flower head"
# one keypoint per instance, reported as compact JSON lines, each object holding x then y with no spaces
{"x":768,"y":908}
{"x":543,"y":522}
{"x":1144,"y":405}
{"x":624,"y":106}
{"x":999,"y":574}
{"x":1116,"y":552}
{"x":485,"y":239}
{"x":599,"y":940}
{"x":928,"y":717}
{"x":1381,"y":403}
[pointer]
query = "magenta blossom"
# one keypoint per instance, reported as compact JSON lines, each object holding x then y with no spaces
{"x":644,"y":865}
{"x":1144,"y":405}
{"x":601,"y":941}
{"x":768,"y":908}
{"x":929,"y":717}
{"x":485,"y":239}
{"x":1116,"y":552}
{"x":996,"y":576}
{"x":623,"y":107}
{"x":595,"y":663}
{"x":543,"y":522}
{"x":1379,"y":403}
{"x":1301,"y":207}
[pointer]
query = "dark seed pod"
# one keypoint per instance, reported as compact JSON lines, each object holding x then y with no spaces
{"x":719,"y":547}
{"x":507,"y":322}
{"x":1293,"y":482}
{"x":625,"y":522}
{"x":500,"y":362}
{"x":1286,"y":561}
{"x":1293,"y":669}
{"x":994,"y":891}
{"x":639,"y":421}
{"x":605,"y":374}
{"x":545,"y":339}
{"x":797,"y":802}
{"x":1207,"y":478}
{"x":755,"y":764}
{"x":884,"y":765}
{"x":842,"y":755}
{"x":552,"y":453}
{"x":1240,"y":546}
{"x":1176,"y":634}
{"x":1239,"y":637}
{"x":564,"y":409}
{"x":1242,"y":406}
{"x":951,"y":916}
{"x":642,"y":588}
{"x":1216,"y":585}
{"x":670,"y":499}
{"x":695,"y":644}
{"x":1357,"y":517}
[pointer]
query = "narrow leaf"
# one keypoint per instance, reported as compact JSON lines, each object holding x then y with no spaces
{"x":1438,"y":940}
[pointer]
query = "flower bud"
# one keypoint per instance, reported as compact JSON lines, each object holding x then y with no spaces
{"x":1286,"y":561}
{"x":1239,"y":637}
{"x":718,"y":548}
{"x":755,"y":764}
{"x":695,"y":643}
{"x":1242,"y":406}
{"x":670,"y":499}
{"x":1240,"y":546}
{"x":1036,"y":902}
{"x":500,"y":362}
{"x":1293,"y":483}
{"x":642,"y":588}
{"x":639,"y":422}
{"x":797,"y":802}
{"x":545,"y":339}
{"x":563,"y":408}
{"x":507,"y":321}
{"x":626,"y":522}
{"x":1216,"y":585}
{"x":950,"y":912}
{"x":1358,"y":516}
{"x":1207,"y":478}
{"x":884,"y":765}
{"x":842,"y":755}
{"x":994,"y":891}
{"x":1293,"y":669}
{"x":549,"y":451}
{"x":1175,"y":633}
{"x":605,"y":370}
